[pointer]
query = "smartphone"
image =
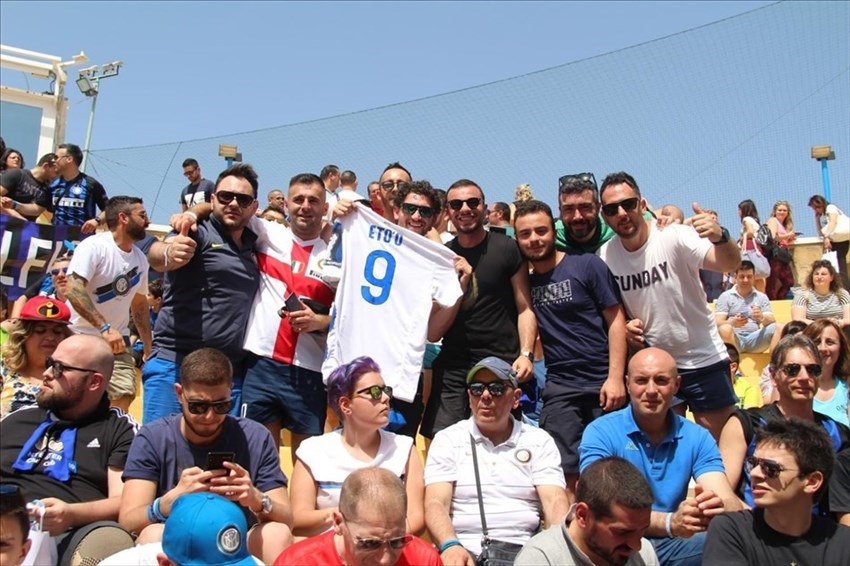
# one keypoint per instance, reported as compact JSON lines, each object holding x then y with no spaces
{"x":292,"y":303}
{"x":216,"y":460}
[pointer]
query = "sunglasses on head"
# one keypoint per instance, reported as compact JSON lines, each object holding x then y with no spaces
{"x":424,"y":211}
{"x":770,"y":468}
{"x":56,"y":271}
{"x":496,"y":388}
{"x":628,"y":205}
{"x":373,"y":544}
{"x":60,"y":368}
{"x":218,"y":407}
{"x":376,"y":391}
{"x":457,"y":204}
{"x":793,"y":370}
{"x":585,"y":177}
{"x":387,"y":185}
{"x":226,"y":197}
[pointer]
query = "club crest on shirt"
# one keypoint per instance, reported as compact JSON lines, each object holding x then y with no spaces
{"x":523,"y":455}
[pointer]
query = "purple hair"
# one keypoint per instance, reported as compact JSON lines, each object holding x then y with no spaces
{"x":342,"y":379}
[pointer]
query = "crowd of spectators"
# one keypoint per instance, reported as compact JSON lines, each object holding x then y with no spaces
{"x":579,"y":400}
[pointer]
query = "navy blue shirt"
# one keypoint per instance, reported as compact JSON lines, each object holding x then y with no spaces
{"x":568,"y":302}
{"x":77,"y":200}
{"x":206,"y":303}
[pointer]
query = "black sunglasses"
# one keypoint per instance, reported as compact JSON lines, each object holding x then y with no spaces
{"x":585,"y":177}
{"x":376,"y":391}
{"x":496,"y":388}
{"x":189,"y":173}
{"x":226,"y":197}
{"x":771,"y":468}
{"x":424,"y":211}
{"x":628,"y":205}
{"x":60,"y":368}
{"x":218,"y":407}
{"x":457,"y":204}
{"x":793,"y":370}
{"x":387,"y":185}
{"x":56,"y":271}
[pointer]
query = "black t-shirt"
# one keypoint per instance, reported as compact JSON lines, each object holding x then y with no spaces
{"x":487,"y":322}
{"x":839,"y":485}
{"x":744,"y":537}
{"x":102,"y":441}
{"x":24,"y":188}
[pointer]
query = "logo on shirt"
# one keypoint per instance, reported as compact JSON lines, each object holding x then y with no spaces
{"x":93,"y":444}
{"x":523,"y":455}
{"x":631,"y":446}
{"x":552,"y":293}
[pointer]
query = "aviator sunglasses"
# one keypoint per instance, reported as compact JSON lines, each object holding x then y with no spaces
{"x":793,"y":370}
{"x":771,"y":468}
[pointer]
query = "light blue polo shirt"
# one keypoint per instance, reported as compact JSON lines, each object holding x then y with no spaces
{"x":687,"y":450}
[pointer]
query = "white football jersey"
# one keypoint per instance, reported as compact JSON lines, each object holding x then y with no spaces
{"x":390,"y":276}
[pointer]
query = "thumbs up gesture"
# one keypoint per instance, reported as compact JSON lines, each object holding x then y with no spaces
{"x":705,"y":224}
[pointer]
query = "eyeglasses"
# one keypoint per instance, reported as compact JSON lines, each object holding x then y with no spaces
{"x":201,"y":407}
{"x":387,"y":185}
{"x":628,"y":205}
{"x":496,"y":388}
{"x":55,"y":272}
{"x":771,"y":468}
{"x":424,"y":211}
{"x":457,"y":204}
{"x":376,"y":391}
{"x":59,"y":368}
{"x":793,"y":370}
{"x":585,"y":177}
{"x":226,"y":197}
{"x":189,"y":173}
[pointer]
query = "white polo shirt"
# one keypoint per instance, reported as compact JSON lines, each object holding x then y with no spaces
{"x":509,"y":473}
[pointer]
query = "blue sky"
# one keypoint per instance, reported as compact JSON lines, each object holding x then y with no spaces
{"x":200,"y":69}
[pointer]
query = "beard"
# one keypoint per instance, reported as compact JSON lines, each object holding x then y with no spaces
{"x":57,"y":402}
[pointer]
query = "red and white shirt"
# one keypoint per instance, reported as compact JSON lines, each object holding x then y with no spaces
{"x":287,"y":264}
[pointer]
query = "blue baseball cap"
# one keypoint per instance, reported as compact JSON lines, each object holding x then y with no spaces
{"x":205,"y":529}
{"x":499,"y":367}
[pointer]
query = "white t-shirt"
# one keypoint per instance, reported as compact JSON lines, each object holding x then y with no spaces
{"x":660,"y":285}
{"x":330,"y":463}
{"x":287,"y":264}
{"x":113,"y":278}
{"x":390,"y":276}
{"x":509,"y":474}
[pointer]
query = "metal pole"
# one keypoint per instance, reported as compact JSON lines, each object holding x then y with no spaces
{"x":88,"y":134}
{"x":824,"y":169}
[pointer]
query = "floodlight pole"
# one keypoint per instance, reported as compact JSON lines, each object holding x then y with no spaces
{"x":824,"y":169}
{"x":88,"y":133}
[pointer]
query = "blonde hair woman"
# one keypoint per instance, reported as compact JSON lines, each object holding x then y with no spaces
{"x":781,"y":226}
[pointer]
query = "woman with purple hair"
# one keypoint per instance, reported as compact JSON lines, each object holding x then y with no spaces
{"x":361,"y":400}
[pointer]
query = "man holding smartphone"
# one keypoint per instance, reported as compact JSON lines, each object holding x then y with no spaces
{"x":205,"y":449}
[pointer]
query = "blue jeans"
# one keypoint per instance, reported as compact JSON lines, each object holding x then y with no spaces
{"x":679,"y":551}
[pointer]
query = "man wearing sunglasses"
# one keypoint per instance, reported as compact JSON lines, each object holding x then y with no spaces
{"x":658,"y":275}
{"x":70,"y":449}
{"x":108,"y":283}
{"x":368,"y":528}
{"x":211,"y":276}
{"x":391,"y":179}
{"x":198,"y":190}
{"x":789,"y":471}
{"x":518,"y":470}
{"x":495,"y":317}
{"x":670,"y":451}
{"x":171,"y":457}
{"x":795,"y":366}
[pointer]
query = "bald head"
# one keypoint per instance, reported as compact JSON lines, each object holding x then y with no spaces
{"x":673,"y":212}
{"x":89,"y":352}
{"x":373,"y":493}
{"x":655,"y":357}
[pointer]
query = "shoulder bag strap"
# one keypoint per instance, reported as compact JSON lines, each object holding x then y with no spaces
{"x":478,"y":488}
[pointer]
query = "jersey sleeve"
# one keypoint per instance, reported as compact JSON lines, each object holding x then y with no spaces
{"x":100,"y":197}
{"x":87,"y":258}
{"x":605,"y":291}
{"x":445,"y":286}
{"x":143,"y":461}
{"x":269,"y":475}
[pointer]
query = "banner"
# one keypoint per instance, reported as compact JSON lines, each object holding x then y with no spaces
{"x":28,"y":248}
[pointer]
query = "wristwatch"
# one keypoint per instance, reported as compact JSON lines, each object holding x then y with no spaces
{"x":724,"y":237}
{"x":529,"y":355}
{"x":266,"y":507}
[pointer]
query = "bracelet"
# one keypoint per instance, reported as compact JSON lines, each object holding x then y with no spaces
{"x":151,"y":517}
{"x":105,"y":327}
{"x":156,"y":512}
{"x":14,"y":205}
{"x":448,"y":544}
{"x":165,"y":255}
{"x":667,"y":525}
{"x":192,"y":214}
